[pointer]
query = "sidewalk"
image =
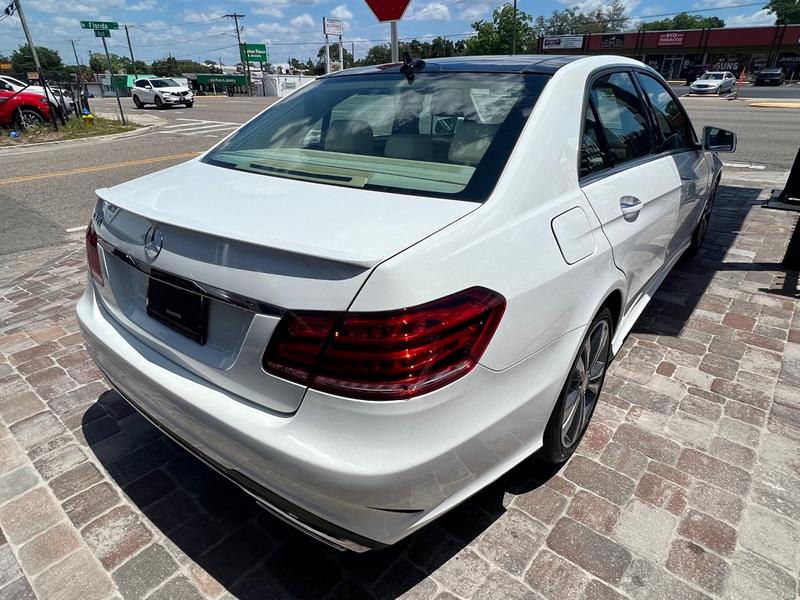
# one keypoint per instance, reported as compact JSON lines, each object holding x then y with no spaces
{"x":687,"y":485}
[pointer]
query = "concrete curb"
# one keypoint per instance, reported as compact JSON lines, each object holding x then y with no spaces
{"x":144,"y":129}
{"x":775,"y":104}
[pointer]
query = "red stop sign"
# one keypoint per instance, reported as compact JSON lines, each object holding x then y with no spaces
{"x":388,"y":10}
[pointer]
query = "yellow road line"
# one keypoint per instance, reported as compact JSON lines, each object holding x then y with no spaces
{"x":775,"y":104}
{"x":109,"y":167}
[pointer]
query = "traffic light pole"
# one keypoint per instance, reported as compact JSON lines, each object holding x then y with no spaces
{"x":111,"y":72}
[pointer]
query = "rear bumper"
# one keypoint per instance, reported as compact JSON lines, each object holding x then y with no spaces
{"x":354,"y":474}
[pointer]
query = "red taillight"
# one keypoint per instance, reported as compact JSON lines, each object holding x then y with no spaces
{"x":93,"y":254}
{"x":390,"y":355}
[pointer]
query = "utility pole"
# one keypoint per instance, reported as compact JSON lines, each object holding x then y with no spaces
{"x":236,"y":18}
{"x":35,"y":55}
{"x":130,"y":49}
{"x":85,"y":101}
{"x":111,"y":75}
{"x":514,"y":30}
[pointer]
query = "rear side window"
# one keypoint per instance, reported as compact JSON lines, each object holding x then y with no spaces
{"x":622,"y":116}
{"x":593,"y":158}
{"x":676,"y":131}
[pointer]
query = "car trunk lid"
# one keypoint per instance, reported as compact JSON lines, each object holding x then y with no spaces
{"x":253,"y":246}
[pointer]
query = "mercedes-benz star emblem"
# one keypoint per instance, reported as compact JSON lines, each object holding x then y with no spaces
{"x":153,"y":242}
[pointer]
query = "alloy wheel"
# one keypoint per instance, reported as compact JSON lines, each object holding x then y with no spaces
{"x":29,"y":119}
{"x":584,"y":383}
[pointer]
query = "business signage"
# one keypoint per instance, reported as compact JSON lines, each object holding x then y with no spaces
{"x":254,"y":53}
{"x":613,"y":41}
{"x":99,"y":25}
{"x":562,"y":42}
{"x":672,"y":38}
{"x":5,"y":66}
{"x":331,"y":26}
{"x":209,"y":79}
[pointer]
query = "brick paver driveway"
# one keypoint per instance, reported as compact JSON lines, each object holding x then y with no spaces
{"x":686,"y":486}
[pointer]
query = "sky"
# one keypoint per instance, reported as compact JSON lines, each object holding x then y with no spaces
{"x":197,"y":29}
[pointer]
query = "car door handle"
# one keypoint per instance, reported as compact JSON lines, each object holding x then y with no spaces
{"x":630,"y":206}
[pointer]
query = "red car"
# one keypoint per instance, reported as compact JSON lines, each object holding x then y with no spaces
{"x":24,"y":109}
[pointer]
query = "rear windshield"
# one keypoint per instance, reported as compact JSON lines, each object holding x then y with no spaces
{"x":442,"y":134}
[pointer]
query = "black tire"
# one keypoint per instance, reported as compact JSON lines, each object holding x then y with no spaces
{"x":700,"y":230}
{"x":189,"y":104}
{"x":159,"y":103}
{"x":578,"y":397}
{"x":29,"y":117}
{"x":138,"y":103}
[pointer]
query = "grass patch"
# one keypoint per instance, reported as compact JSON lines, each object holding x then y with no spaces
{"x":74,"y":129}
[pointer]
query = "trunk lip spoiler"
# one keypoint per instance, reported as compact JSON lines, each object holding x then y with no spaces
{"x":111,"y":197}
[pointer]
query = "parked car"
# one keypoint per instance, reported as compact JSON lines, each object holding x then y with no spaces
{"x":713,"y":82}
{"x":22,"y":109}
{"x":397,"y":283}
{"x":770,"y":77}
{"x":161,"y":92}
{"x":18,"y":85}
{"x":693,"y":72}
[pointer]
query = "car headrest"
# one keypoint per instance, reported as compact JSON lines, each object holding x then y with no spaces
{"x":409,"y":146}
{"x":470,"y":142}
{"x":349,"y":135}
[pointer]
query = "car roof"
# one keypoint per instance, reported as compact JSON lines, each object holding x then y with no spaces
{"x":520,"y":63}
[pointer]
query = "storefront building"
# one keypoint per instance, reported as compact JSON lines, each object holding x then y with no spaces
{"x":674,"y":53}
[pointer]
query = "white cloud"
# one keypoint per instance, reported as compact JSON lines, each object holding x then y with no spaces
{"x":761,"y":17}
{"x":270,"y":11}
{"x":304,"y":21}
{"x":342,"y":12}
{"x":435,"y":11}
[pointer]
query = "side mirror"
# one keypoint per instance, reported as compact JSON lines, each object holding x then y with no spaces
{"x":718,"y":140}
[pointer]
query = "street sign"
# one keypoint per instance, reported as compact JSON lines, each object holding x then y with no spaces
{"x":99,"y":25}
{"x":102,"y":33}
{"x":331,"y":26}
{"x":254,"y":53}
{"x":388,"y":10}
{"x":33,"y":75}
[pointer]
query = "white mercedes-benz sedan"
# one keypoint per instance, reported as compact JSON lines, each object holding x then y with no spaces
{"x":398,"y":282}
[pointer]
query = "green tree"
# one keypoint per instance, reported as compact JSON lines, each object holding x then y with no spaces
{"x":494,"y":37}
{"x":334,"y":53}
{"x":166,"y":67}
{"x":22,"y":59}
{"x":120,"y":64}
{"x":786,"y":11}
{"x":605,"y":19}
{"x":683,"y":21}
{"x":213,"y":67}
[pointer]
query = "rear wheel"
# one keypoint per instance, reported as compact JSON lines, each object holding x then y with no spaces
{"x":579,"y":395}
{"x":159,"y":103}
{"x":29,"y":117}
{"x":700,"y":230}
{"x":138,"y":103}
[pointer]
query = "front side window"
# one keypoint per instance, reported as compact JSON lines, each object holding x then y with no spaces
{"x":622,"y":117}
{"x":442,"y":134}
{"x":676,"y":130}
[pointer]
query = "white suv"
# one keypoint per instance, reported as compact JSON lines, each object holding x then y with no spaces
{"x":161,"y":92}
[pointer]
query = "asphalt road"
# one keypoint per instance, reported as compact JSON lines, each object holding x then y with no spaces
{"x":783,"y":92}
{"x":47,"y":192}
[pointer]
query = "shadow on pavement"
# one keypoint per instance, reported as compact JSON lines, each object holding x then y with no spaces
{"x":256,"y":555}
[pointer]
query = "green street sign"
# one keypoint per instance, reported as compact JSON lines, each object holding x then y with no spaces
{"x":254,"y":53}
{"x":102,"y":33}
{"x":99,"y":25}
